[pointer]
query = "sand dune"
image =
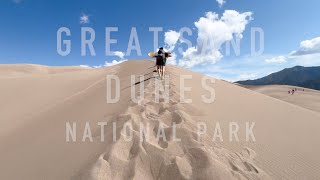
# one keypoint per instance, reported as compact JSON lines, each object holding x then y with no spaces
{"x":22,"y":70}
{"x":35,"y":108}
{"x":303,"y":97}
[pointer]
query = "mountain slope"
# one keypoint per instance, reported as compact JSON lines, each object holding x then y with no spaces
{"x":308,"y":77}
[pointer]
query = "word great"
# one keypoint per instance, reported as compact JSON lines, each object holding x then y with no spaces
{"x":88,"y":37}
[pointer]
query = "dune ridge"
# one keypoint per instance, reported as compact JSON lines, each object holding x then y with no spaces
{"x":22,"y":70}
{"x":36,"y":108}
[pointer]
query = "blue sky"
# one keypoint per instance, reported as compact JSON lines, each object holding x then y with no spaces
{"x":29,"y":28}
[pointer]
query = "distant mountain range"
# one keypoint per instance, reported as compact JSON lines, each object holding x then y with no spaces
{"x":308,"y":77}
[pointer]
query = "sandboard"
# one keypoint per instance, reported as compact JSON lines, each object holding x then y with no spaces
{"x":152,"y":54}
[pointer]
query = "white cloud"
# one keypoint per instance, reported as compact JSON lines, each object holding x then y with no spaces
{"x":173,"y":59}
{"x":307,"y":55}
{"x":85,"y":66}
{"x":84,"y":19}
{"x":99,"y":66}
{"x":213,"y":31}
{"x":278,"y":59}
{"x":191,"y":57}
{"x":106,"y":64}
{"x":170,"y":39}
{"x":308,"y":47}
{"x":114,"y":62}
{"x":305,"y":60}
{"x":119,"y":54}
{"x":221,"y":2}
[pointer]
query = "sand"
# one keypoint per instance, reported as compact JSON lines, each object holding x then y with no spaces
{"x":36,"y":106}
{"x":303,"y":97}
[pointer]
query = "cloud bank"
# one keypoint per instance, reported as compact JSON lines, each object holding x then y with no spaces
{"x":213,"y":32}
{"x":308,"y":47}
{"x":305,"y":54}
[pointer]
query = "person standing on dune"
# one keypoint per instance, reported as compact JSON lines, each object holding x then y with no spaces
{"x":161,"y":60}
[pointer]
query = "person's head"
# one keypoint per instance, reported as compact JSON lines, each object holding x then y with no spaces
{"x":160,"y":50}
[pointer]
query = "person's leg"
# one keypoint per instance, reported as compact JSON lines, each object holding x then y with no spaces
{"x":160,"y":75}
{"x":163,"y":69}
{"x":158,"y":70}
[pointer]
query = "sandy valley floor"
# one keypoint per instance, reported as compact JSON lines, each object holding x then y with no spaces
{"x":303,"y":97}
